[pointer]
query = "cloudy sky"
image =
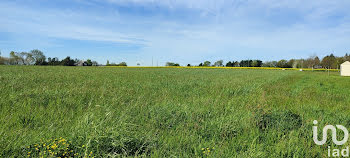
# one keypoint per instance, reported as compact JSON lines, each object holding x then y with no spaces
{"x":184,"y":31}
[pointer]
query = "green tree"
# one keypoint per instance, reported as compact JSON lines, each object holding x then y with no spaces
{"x":312,"y":62}
{"x":229,"y":64}
{"x":14,"y":58}
{"x":282,"y":64}
{"x":53,"y":61}
{"x":257,"y":63}
{"x":347,"y":57}
{"x":206,"y":63}
{"x":299,"y":63}
{"x":68,"y":62}
{"x":246,"y":63}
{"x":329,"y":62}
{"x":122,"y":64}
{"x":317,"y":62}
{"x":2,"y":59}
{"x":270,"y":64}
{"x":339,"y":61}
{"x":171,"y":64}
{"x":219,"y":63}
{"x":39,"y":57}
{"x":290,"y":63}
{"x":88,"y":62}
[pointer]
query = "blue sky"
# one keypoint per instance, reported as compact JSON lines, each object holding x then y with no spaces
{"x":183,"y":31}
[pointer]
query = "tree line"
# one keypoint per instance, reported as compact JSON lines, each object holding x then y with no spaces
{"x":37,"y":57}
{"x":114,"y":64}
{"x":328,"y":62}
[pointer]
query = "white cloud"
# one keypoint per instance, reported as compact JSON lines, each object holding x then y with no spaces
{"x":219,"y":5}
{"x":61,"y":24}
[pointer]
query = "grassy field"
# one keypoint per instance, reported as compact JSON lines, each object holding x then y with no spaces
{"x":157,"y":112}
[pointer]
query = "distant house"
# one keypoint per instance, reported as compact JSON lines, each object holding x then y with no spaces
{"x":345,"y":69}
{"x":86,"y":63}
{"x":80,"y":63}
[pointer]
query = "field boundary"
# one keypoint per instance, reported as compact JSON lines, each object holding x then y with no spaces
{"x":203,"y":67}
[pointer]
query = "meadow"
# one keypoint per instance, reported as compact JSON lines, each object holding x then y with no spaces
{"x":158,"y":112}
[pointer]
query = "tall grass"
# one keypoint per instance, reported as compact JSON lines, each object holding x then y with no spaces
{"x":170,"y":112}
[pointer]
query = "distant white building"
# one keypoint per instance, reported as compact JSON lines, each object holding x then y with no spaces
{"x":80,"y":63}
{"x":345,"y":69}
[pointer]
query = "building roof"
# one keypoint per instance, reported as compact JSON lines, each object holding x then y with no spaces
{"x":346,"y":63}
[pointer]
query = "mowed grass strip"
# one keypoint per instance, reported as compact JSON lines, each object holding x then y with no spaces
{"x":167,"y":112}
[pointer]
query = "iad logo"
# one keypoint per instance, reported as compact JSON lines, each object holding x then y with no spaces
{"x":332,"y":152}
{"x":334,"y":134}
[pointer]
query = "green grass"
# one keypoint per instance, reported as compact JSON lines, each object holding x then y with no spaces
{"x":157,"y":112}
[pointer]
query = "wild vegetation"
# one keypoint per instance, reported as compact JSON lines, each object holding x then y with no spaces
{"x":158,"y":112}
